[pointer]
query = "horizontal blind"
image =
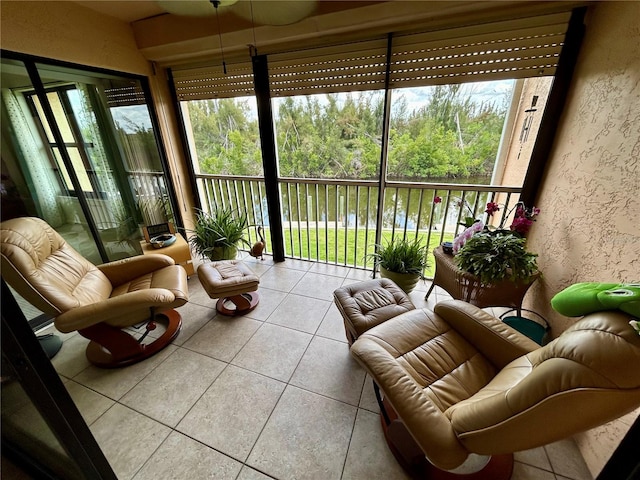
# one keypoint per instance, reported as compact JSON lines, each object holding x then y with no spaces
{"x":341,"y":68}
{"x":124,"y":95}
{"x":517,"y":48}
{"x":212,"y":82}
{"x":526,"y":47}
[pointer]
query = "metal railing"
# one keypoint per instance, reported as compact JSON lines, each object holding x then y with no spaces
{"x":335,"y":221}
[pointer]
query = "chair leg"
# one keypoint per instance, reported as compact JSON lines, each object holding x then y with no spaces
{"x":244,"y":303}
{"x":112,"y":347}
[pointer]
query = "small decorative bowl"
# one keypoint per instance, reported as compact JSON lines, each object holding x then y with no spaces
{"x":163,"y":240}
{"x":447,"y":247}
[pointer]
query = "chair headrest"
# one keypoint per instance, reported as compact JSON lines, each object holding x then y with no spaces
{"x":603,"y":342}
{"x":39,"y":264}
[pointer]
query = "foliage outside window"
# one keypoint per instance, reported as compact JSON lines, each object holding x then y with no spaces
{"x":447,"y":132}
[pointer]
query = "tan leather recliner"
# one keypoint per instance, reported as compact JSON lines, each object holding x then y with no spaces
{"x":99,"y":301}
{"x":462,"y":382}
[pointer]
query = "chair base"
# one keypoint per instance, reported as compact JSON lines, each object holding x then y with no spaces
{"x":412,"y":459}
{"x":244,"y":303}
{"x":111,"y":347}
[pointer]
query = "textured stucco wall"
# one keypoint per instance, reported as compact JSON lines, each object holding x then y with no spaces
{"x":589,"y":228}
{"x":66,"y":31}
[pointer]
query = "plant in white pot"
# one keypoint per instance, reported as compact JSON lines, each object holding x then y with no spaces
{"x":216,"y":235}
{"x":402,"y":261}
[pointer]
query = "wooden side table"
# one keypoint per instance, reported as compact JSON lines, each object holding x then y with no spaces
{"x":179,"y":251}
{"x":462,"y":285}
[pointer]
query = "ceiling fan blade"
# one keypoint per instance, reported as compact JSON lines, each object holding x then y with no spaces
{"x":192,"y":8}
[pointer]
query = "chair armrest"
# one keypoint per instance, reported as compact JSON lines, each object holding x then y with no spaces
{"x":113,"y":308}
{"x":428,"y":425}
{"x":497,"y":341}
{"x":122,"y":271}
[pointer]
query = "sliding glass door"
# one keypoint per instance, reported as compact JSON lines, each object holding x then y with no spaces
{"x":80,"y":151}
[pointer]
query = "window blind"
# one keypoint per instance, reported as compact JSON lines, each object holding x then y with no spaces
{"x":341,"y":68}
{"x":517,"y":48}
{"x":124,"y":95}
{"x":527,"y":47}
{"x":211,"y":82}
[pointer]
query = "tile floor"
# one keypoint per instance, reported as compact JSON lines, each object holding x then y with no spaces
{"x":273,"y":394}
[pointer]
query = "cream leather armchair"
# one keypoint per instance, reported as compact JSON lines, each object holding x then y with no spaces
{"x":97,"y":301}
{"x":460,"y":386}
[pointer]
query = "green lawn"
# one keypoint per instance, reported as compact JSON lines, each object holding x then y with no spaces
{"x":352,"y":251}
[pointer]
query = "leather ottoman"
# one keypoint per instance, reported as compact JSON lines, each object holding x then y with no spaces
{"x":366,"y":304}
{"x":230,"y":281}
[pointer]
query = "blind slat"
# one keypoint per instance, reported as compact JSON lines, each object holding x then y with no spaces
{"x":517,"y":48}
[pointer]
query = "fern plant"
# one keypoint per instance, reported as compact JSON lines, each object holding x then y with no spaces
{"x":496,"y":256}
{"x":401,"y":256}
{"x":223,"y":228}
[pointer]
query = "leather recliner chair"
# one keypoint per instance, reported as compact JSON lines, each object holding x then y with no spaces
{"x":461,"y":386}
{"x":100,"y":302}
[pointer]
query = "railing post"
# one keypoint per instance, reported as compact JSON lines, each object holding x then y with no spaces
{"x":269,"y":153}
{"x":384,"y":148}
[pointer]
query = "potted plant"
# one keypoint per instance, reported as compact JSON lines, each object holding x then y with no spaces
{"x":497,"y":256}
{"x":402,"y":261}
{"x":217,"y":234}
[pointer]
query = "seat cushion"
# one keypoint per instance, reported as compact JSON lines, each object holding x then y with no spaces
{"x":227,"y":278}
{"x":424,"y":367}
{"x":366,"y":304}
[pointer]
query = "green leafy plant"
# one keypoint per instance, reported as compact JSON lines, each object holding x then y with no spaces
{"x":495,"y":256}
{"x":222,"y":228}
{"x":401,"y":256}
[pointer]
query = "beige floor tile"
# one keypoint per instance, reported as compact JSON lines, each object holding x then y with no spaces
{"x":248,"y":473}
{"x":318,"y":286}
{"x":194,"y":317}
{"x":417,"y":298}
{"x":167,"y":393}
{"x":566,"y":460}
{"x":269,"y":301}
{"x":368,"y":399}
{"x":281,"y":279}
{"x":115,"y":382}
{"x":422,"y":286}
{"x":223,"y":337}
{"x":523,"y":471}
{"x":273,"y":351}
{"x":351,"y":281}
{"x":294,"y":264}
{"x":536,"y":457}
{"x":71,"y":358}
{"x":327,"y":368}
{"x":232,"y":412}
{"x":250,"y":261}
{"x":307,"y":437}
{"x":332,"y":325}
{"x":259,"y":268}
{"x":182,"y":458}
{"x":90,"y":403}
{"x":328,"y":269}
{"x":369,"y":455}
{"x":127,"y":439}
{"x":197,"y":294}
{"x":300,"y":313}
{"x":359,"y":274}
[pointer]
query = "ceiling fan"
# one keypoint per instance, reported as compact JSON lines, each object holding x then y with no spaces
{"x":259,"y":12}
